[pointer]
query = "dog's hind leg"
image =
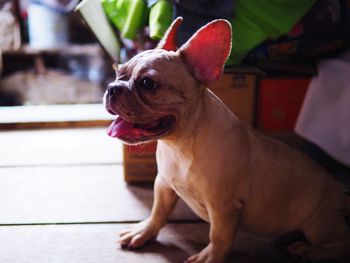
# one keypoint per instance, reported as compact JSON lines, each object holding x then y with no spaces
{"x":327,"y":238}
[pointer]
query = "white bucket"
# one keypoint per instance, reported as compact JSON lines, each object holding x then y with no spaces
{"x":47,"y":28}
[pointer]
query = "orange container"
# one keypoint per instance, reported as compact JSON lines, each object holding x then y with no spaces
{"x":279,"y":103}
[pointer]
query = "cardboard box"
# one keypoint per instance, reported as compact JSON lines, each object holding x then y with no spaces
{"x":279,"y":103}
{"x":236,"y":89}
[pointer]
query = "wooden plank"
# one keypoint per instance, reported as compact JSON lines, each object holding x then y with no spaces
{"x":58,"y":147}
{"x":92,"y":243}
{"x":64,"y":194}
{"x":97,"y":243}
{"x":51,"y":116}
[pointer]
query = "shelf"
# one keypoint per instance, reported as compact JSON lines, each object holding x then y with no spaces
{"x":26,"y":50}
{"x":54,"y":116}
{"x":72,"y":48}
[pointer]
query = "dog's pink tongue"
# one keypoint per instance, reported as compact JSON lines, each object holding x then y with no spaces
{"x":119,"y":127}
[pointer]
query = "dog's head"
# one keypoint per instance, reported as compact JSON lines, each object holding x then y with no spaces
{"x":156,"y":91}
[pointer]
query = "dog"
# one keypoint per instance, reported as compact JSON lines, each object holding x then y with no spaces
{"x":230,"y":175}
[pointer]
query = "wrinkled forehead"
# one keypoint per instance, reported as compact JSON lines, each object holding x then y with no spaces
{"x":155,"y":58}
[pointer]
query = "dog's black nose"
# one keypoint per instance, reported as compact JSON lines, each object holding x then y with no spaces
{"x":113,"y":89}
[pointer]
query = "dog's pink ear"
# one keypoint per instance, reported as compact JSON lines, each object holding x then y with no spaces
{"x":169,"y":41}
{"x":208,"y":49}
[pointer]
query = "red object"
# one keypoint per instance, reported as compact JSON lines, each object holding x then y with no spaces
{"x":279,"y":103}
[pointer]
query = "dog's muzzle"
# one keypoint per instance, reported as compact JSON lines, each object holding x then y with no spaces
{"x":114,"y":90}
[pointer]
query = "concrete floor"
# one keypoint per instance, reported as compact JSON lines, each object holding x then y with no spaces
{"x":63,"y":199}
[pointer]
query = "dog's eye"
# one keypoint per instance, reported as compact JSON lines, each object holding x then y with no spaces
{"x":148,"y":83}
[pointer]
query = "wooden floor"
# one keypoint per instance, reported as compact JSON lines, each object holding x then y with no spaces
{"x":63,"y":199}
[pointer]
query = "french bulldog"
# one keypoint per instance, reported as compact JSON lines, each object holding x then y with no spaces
{"x":230,"y":175}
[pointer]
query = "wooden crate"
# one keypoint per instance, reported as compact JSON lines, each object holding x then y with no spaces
{"x":140,"y":162}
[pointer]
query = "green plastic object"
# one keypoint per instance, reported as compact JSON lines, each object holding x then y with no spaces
{"x":160,"y":18}
{"x":129,"y":16}
{"x":115,"y":15}
{"x":255,"y":21}
{"x":136,"y":18}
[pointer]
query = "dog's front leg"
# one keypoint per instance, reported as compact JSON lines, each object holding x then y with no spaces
{"x":223,"y":229}
{"x":164,"y":201}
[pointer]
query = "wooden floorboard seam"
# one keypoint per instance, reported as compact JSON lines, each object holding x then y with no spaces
{"x":14,"y":166}
{"x":100,"y":223}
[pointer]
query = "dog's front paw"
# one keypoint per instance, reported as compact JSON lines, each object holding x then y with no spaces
{"x":138,"y":235}
{"x":207,"y":255}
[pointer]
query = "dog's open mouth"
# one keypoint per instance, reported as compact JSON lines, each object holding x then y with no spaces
{"x":133,"y":132}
